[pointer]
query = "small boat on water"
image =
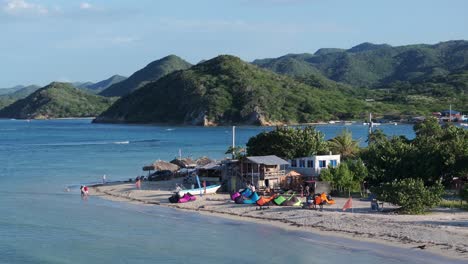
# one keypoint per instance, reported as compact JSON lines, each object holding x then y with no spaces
{"x":209,"y":190}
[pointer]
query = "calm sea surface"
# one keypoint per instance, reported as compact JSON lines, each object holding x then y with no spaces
{"x":40,"y":223}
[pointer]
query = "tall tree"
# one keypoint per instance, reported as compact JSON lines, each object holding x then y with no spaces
{"x":288,"y":143}
{"x":344,"y":144}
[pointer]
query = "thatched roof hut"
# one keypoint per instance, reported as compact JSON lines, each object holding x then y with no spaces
{"x":184,"y":163}
{"x":202,"y":161}
{"x":161,"y":165}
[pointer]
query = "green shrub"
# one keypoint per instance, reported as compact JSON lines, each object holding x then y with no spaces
{"x":410,"y":194}
{"x":464,"y":193}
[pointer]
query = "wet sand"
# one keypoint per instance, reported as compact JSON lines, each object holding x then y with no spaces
{"x":442,"y":231}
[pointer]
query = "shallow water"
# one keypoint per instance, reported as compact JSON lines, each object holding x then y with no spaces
{"x":40,"y":223}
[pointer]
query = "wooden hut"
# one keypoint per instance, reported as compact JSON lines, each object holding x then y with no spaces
{"x":263,"y":171}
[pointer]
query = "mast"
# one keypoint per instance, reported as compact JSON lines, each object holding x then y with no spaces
{"x":450,"y":113}
{"x":233,"y":141}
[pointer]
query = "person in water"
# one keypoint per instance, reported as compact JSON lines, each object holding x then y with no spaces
{"x":82,"y":190}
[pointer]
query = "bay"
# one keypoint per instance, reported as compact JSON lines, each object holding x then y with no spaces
{"x":41,"y":223}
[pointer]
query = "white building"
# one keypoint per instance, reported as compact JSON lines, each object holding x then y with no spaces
{"x":311,"y":166}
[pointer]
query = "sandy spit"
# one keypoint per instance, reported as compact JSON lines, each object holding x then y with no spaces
{"x":442,"y":231}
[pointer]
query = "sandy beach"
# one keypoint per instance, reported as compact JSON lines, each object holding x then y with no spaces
{"x":442,"y":231}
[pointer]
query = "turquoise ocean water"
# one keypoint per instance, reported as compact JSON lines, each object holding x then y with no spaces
{"x":40,"y":223}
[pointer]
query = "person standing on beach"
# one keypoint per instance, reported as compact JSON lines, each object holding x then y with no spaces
{"x":137,"y":183}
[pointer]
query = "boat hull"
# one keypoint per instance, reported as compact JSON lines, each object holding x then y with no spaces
{"x":209,"y":190}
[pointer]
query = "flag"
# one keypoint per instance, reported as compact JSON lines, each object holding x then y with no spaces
{"x":348,"y":204}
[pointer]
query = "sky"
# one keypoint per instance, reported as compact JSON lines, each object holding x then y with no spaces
{"x":65,"y":40}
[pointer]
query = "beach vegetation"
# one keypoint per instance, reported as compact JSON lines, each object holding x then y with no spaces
{"x":344,"y":144}
{"x":399,"y":167}
{"x":347,"y":177}
{"x":288,"y":143}
{"x":412,"y":195}
{"x":458,"y":204}
{"x":464,"y":193}
{"x":437,"y":153}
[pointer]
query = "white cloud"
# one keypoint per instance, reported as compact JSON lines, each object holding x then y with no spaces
{"x":21,"y":6}
{"x":85,"y":5}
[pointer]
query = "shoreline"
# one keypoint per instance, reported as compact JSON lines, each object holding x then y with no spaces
{"x":407,"y":232}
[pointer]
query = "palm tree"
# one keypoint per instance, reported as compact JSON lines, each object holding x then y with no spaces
{"x":344,"y":145}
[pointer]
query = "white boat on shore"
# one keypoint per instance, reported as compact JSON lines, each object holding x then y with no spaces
{"x":209,"y":190}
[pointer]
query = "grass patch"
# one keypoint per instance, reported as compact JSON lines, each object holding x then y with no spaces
{"x":454,"y":204}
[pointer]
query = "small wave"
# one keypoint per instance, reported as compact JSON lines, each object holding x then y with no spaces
{"x":145,"y":141}
{"x":170,"y":129}
{"x":121,"y":142}
{"x":83,"y":143}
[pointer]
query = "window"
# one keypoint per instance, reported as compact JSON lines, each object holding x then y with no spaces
{"x":293,"y":163}
{"x":302,"y":163}
{"x":322,"y":163}
{"x":333,"y":163}
{"x":310,"y":163}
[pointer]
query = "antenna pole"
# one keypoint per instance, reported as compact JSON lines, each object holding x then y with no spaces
{"x":233,"y":141}
{"x":450,"y":113}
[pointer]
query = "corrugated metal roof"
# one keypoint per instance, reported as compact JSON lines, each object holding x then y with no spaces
{"x":267,"y":160}
{"x":211,"y":166}
{"x":453,"y":112}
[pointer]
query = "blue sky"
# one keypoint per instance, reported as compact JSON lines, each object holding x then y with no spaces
{"x":66,"y":40}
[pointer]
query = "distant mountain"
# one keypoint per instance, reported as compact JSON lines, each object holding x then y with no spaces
{"x":150,"y":73}
{"x":57,"y":100}
{"x":99,"y":86}
{"x":226,"y":90}
{"x":11,"y":89}
{"x":372,"y":65}
{"x":19,"y":92}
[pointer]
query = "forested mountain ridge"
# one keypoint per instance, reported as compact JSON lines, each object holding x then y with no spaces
{"x":227,"y":90}
{"x":57,"y":100}
{"x":151,"y":72}
{"x":370,"y":65}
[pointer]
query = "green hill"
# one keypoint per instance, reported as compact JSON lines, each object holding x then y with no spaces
{"x":17,"y":94}
{"x":150,"y":73}
{"x":57,"y":100}
{"x":4,"y":91}
{"x":370,"y":65}
{"x":429,"y":95}
{"x":226,"y":90}
{"x":99,"y":86}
